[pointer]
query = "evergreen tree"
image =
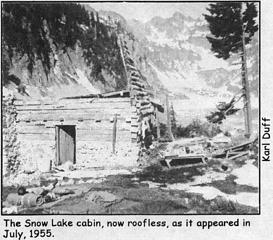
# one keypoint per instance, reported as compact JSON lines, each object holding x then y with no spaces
{"x":37,"y":31}
{"x":26,"y":27}
{"x":226,"y":23}
{"x":233,"y":25}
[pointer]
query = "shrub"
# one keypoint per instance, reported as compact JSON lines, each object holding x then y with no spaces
{"x":196,"y":129}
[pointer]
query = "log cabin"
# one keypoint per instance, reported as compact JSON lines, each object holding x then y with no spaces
{"x":113,"y":128}
{"x":94,"y":131}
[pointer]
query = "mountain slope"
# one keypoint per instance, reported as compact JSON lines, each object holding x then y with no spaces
{"x":67,"y":55}
{"x":177,"y":52}
{"x":59,"y":50}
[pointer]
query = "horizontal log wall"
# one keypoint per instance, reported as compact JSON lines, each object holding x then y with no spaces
{"x":93,"y":119}
{"x":73,"y":110}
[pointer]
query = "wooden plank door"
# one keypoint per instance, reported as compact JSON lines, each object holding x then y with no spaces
{"x":66,"y":144}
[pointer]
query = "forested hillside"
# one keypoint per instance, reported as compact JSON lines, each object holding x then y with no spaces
{"x":58,"y":50}
{"x":68,"y":49}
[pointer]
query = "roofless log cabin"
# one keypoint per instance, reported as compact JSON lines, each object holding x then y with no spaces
{"x":95,"y":130}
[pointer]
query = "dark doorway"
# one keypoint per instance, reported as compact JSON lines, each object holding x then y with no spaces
{"x":65,"y":144}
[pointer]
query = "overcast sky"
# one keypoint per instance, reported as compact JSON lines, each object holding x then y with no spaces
{"x":145,"y":11}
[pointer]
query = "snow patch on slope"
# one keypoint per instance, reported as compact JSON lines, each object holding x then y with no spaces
{"x":160,"y":38}
{"x":82,"y":79}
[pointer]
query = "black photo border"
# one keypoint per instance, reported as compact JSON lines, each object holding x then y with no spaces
{"x":191,"y":214}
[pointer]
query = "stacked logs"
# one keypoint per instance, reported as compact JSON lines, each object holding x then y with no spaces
{"x":140,"y":99}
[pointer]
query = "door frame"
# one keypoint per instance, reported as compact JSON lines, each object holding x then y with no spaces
{"x":57,"y":143}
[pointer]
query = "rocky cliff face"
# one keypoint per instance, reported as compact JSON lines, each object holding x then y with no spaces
{"x":59,"y":50}
{"x":172,"y":53}
{"x":177,"y":53}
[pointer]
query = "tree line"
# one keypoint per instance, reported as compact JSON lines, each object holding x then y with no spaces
{"x":35,"y":30}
